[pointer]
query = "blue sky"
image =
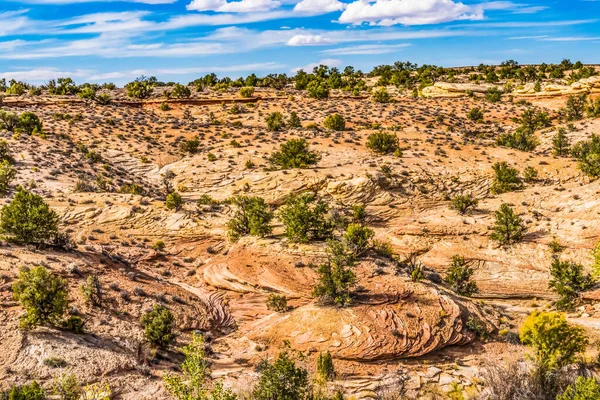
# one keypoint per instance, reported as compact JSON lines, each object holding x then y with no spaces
{"x":180,"y":40}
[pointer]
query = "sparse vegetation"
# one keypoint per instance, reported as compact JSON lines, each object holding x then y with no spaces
{"x":383,"y":143}
{"x":251,"y":218}
{"x":158,"y":326}
{"x":459,"y":277}
{"x":509,"y":227}
{"x":295,"y":153}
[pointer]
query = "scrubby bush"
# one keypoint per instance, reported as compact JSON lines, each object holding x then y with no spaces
{"x":532,"y":119}
{"x":141,"y":88}
{"x":508,"y":227}
{"x":30,"y":124}
{"x":335,"y":277}
{"x":357,"y":239}
{"x":5,"y":152}
{"x":7,"y":174}
{"x":174,"y":201}
{"x":318,"y":90}
{"x":588,"y":153}
{"x":325,"y":367}
{"x":459,"y":277}
{"x":593,"y":108}
{"x":304,"y":217}
{"x":506,"y":180}
{"x":575,"y":108}
{"x":383,"y":143}
{"x":463,"y":203}
{"x":295,"y":153}
{"x":493,"y":95}
{"x":247,"y":91}
{"x":277,"y":302}
{"x":282,"y":380}
{"x":30,"y":391}
{"x":475,"y":114}
{"x":530,"y":174}
{"x":8,"y":120}
{"x":190,"y":146}
{"x":568,"y":280}
{"x":43,"y":295}
{"x":334,"y":122}
{"x":381,"y":96}
{"x":582,"y":389}
{"x":92,"y":290}
{"x":158,"y":326}
{"x":294,"y":120}
{"x":251,"y":218}
{"x":181,"y":92}
{"x":522,"y":139}
{"x":561,"y":143}
{"x":27,"y":219}
{"x":275,"y":121}
{"x":67,"y":387}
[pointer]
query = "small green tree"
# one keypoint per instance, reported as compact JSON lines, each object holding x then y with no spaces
{"x":509,"y":227}
{"x":383,"y":143}
{"x":567,"y":281}
{"x":174,"y":201}
{"x":506,"y":180}
{"x":294,"y":121}
{"x":190,"y":146}
{"x":381,"y":96}
{"x":530,"y":174}
{"x":7,"y":174}
{"x":305,"y":218}
{"x":247,"y":91}
{"x":295,"y":153}
{"x":561,"y":143}
{"x":325,"y":367}
{"x":335,"y":122}
{"x":92,"y":290}
{"x":141,"y":88}
{"x":181,"y":92}
{"x":8,"y":121}
{"x":282,"y":380}
{"x":555,"y":342}
{"x":459,"y":277}
{"x":463,"y":203}
{"x":30,"y":124}
{"x":493,"y":95}
{"x":27,"y":219}
{"x":68,"y":387}
{"x":193,"y":385}
{"x":575,"y":108}
{"x":158,"y":326}
{"x":522,"y":139}
{"x":357,"y":239}
{"x":43,"y":295}
{"x":318,"y":90}
{"x":475,"y":114}
{"x":31,"y":391}
{"x":588,"y":153}
{"x":275,"y":121}
{"x":277,"y":302}
{"x":251,"y":218}
{"x":335,"y":278}
{"x":5,"y":151}
{"x":532,"y":119}
{"x":582,"y":389}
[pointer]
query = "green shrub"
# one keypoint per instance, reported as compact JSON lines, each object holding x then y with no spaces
{"x":593,"y":108}
{"x":575,"y":108}
{"x":582,"y":389}
{"x":294,"y":121}
{"x":506,"y":180}
{"x":281,"y":380}
{"x":181,"y":92}
{"x":334,"y":122}
{"x":532,"y":119}
{"x":325,"y":367}
{"x":383,"y":143}
{"x":247,"y":91}
{"x":335,"y":278}
{"x":508,"y":228}
{"x":174,"y":201}
{"x":27,"y":219}
{"x":164,"y":106}
{"x":459,"y":277}
{"x":568,"y":280}
{"x":74,"y":324}
{"x":275,"y":121}
{"x":295,"y":153}
{"x":92,"y":290}
{"x":382,"y":96}
{"x":277,"y":303}
{"x":475,"y":114}
{"x":190,"y":146}
{"x":43,"y":295}
{"x":493,"y":95}
{"x":8,"y":121}
{"x":7,"y":174}
{"x":251,"y":218}
{"x":305,"y":218}
{"x":31,"y":391}
{"x":476,"y":326}
{"x":530,"y":174}
{"x":318,"y":90}
{"x":357,"y":239}
{"x":158,"y":326}
{"x":29,"y":123}
{"x":67,"y":388}
{"x":141,"y":88}
{"x":555,"y":342}
{"x":463,"y":203}
{"x":561,"y":143}
{"x":588,"y":153}
{"x":522,"y":139}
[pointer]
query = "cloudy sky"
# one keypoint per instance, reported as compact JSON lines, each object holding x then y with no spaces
{"x":179,"y":40}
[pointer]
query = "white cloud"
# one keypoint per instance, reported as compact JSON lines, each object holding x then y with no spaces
{"x":319,"y":6}
{"x":308,"y":40}
{"x":42,"y":74}
{"x":330,"y":62}
{"x":408,"y":12}
{"x":367,"y":49}
{"x":242,"y":6}
{"x":62,"y":2}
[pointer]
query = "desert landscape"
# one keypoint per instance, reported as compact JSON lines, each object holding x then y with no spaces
{"x":408,"y":232}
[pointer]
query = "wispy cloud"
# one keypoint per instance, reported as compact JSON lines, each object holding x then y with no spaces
{"x":367,"y":49}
